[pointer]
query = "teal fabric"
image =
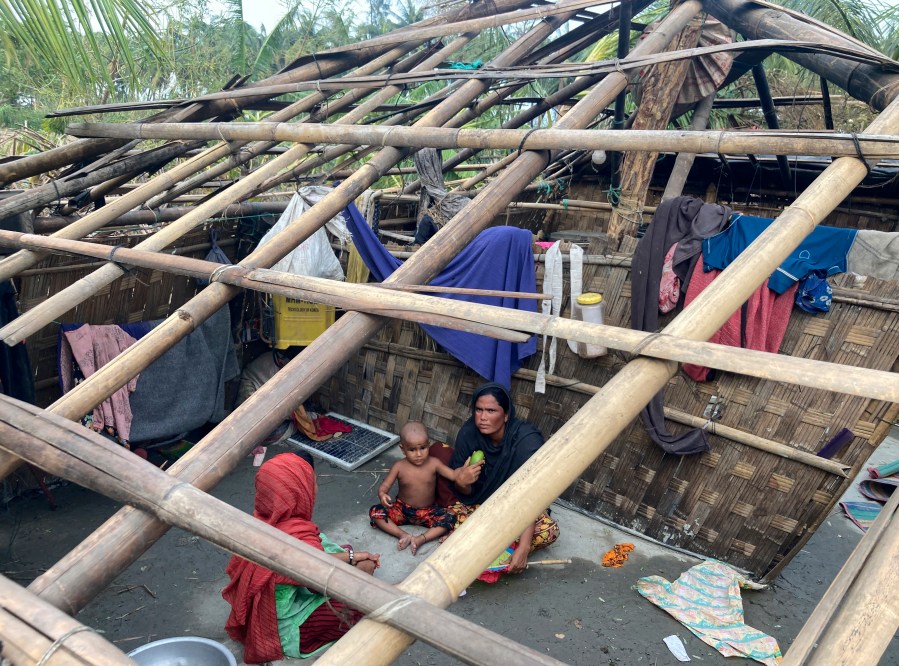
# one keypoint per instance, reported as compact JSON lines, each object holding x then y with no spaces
{"x":293,"y":606}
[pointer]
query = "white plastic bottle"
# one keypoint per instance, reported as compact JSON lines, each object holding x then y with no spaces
{"x":589,"y":307}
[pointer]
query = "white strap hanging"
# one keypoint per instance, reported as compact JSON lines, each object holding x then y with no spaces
{"x":576,"y":271}
{"x":552,"y":286}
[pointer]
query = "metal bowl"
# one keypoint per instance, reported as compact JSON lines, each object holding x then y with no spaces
{"x":183,"y":651}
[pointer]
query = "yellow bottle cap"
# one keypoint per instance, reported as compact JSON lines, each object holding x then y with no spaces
{"x":589,"y":299}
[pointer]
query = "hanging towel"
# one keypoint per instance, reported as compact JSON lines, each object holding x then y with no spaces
{"x":499,"y":258}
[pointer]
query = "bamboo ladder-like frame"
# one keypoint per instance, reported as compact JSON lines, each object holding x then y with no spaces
{"x":454,"y":562}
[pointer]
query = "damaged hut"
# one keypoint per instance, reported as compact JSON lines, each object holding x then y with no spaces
{"x":740,"y":374}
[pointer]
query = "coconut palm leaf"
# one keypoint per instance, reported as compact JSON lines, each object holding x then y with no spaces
{"x":77,"y":39}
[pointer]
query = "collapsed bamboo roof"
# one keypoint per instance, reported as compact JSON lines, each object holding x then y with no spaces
{"x":91,"y":168}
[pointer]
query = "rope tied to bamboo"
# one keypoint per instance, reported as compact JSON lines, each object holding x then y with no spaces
{"x":859,"y":153}
{"x":216,"y":275}
{"x":55,"y":645}
{"x":628,"y":210}
{"x":525,"y":138}
{"x":111,"y":258}
{"x":389,"y":611}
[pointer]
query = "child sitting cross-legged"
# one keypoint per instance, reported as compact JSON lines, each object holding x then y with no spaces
{"x":415,"y":502}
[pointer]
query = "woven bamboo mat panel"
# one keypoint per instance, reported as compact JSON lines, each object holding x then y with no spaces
{"x":139,"y":295}
{"x":736,"y":503}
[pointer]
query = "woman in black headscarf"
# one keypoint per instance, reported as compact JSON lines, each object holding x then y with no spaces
{"x":507,"y":443}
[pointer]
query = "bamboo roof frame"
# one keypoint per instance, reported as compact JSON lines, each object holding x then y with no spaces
{"x":440,"y":580}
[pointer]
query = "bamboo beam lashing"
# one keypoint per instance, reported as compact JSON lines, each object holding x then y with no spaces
{"x":76,"y":453}
{"x":691,"y":141}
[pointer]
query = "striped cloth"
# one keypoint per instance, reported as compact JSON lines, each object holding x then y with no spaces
{"x":706,"y":599}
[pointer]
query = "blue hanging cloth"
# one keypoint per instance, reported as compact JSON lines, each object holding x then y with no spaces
{"x":499,"y":258}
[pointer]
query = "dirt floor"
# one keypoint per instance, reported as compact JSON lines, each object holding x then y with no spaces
{"x":579,"y":613}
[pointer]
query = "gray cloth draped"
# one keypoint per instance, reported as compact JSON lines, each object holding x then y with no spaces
{"x":685,"y":221}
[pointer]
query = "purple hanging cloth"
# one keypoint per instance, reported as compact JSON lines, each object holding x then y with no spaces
{"x":499,"y":258}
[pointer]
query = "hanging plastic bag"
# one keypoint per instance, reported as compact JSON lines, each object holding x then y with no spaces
{"x":215,"y":254}
{"x":314,"y":257}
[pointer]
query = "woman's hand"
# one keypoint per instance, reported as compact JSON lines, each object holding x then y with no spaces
{"x":519,"y":560}
{"x":367,"y":562}
{"x":468,"y":474}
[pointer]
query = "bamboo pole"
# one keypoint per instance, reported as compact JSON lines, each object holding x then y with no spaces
{"x":78,"y":454}
{"x":79,"y":576}
{"x":34,"y":632}
{"x":867,"y":82}
{"x":693,"y":141}
{"x":844,"y":628}
{"x":684,"y":162}
{"x":387,"y":299}
{"x":733,"y":434}
{"x":50,"y":223}
{"x":769,"y":112}
{"x":590,"y":431}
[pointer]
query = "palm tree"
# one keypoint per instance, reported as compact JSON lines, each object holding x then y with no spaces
{"x":76,"y":45}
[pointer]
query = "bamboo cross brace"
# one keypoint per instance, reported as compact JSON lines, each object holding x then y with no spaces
{"x":389,"y":299}
{"x":76,"y":453}
{"x":691,"y":141}
{"x":305,"y":104}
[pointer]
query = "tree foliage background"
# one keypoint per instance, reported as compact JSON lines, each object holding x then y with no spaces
{"x":63,"y":53}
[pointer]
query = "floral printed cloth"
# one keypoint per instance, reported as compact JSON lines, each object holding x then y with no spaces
{"x":706,"y":599}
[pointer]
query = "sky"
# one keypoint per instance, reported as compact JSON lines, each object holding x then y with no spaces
{"x":263,"y":12}
{"x":258,"y":12}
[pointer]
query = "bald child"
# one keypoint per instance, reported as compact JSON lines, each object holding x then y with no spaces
{"x":415,"y":503}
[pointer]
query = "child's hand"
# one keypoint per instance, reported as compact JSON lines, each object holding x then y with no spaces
{"x":385,"y":499}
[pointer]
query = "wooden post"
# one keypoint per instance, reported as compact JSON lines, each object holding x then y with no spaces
{"x":660,"y":90}
{"x":81,"y":455}
{"x":684,"y":162}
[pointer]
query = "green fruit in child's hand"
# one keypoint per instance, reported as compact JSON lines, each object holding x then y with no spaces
{"x":476,"y":457}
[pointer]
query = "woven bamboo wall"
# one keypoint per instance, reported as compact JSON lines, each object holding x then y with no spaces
{"x":742,"y":505}
{"x":140,"y":295}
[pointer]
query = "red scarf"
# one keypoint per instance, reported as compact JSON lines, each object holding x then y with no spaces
{"x":285,"y":496}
